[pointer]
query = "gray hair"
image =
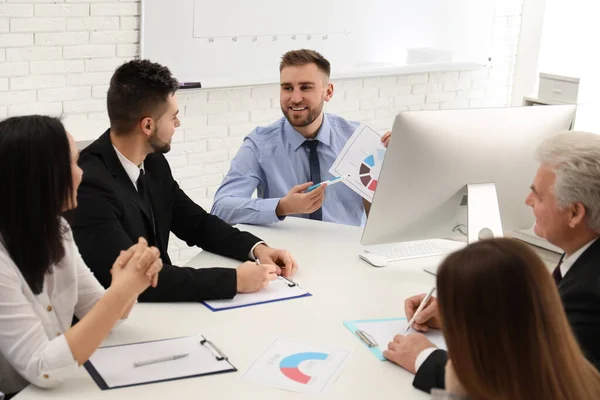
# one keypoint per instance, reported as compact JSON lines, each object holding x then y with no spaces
{"x":575,"y":159}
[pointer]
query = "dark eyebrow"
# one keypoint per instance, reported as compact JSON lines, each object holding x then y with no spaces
{"x":176,"y":112}
{"x":532,"y":187}
{"x":299,"y":83}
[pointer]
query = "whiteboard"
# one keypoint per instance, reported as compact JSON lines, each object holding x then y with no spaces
{"x":224,"y":43}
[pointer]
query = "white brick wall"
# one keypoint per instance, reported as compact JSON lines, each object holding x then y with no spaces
{"x":34,"y":53}
{"x":16,"y":10}
{"x":62,"y":10}
{"x":15,"y":39}
{"x":57,"y":56}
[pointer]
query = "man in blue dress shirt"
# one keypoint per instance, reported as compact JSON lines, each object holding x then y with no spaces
{"x":283,"y":159}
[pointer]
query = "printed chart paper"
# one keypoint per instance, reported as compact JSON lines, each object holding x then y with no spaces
{"x":361,"y":158}
{"x":298,"y":367}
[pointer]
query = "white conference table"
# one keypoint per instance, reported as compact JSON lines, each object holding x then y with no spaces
{"x":343,"y":287}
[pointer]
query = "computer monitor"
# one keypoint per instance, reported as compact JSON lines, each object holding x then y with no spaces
{"x":432,"y":157}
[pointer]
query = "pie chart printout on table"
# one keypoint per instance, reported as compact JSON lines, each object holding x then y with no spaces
{"x":290,"y":365}
{"x":298,"y":367}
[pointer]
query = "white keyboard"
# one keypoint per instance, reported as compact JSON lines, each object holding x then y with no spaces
{"x":415,"y":249}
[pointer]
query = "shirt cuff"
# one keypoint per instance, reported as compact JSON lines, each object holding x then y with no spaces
{"x":251,"y":254}
{"x":422,"y":357}
{"x":268,"y":209}
{"x":58,"y":363}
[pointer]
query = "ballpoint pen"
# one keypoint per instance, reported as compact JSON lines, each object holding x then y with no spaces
{"x":160,"y":359}
{"x":421,"y":306}
{"x":289,"y":282}
{"x":330,"y":182}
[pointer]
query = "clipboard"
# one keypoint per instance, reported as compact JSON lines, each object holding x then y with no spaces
{"x":280,"y":289}
{"x":114,"y":367}
{"x":375,"y":334}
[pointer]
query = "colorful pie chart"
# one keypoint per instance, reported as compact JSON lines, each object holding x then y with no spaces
{"x":369,"y":169}
{"x":289,"y":365}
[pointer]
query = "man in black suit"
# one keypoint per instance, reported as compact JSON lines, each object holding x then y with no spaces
{"x":565,"y":197}
{"x":128,"y":191}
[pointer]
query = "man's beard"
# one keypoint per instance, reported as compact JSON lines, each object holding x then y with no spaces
{"x":312,"y":116}
{"x":158,"y":145}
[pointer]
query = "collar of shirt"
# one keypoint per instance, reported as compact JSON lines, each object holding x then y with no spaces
{"x":296,"y":138}
{"x":132,"y":170}
{"x":568,"y":262}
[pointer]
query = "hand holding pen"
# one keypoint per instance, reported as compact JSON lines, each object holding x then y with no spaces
{"x":252,"y":276}
{"x":330,"y":182}
{"x":305,"y":198}
{"x":289,"y":282}
{"x":279,"y":257}
{"x":297,"y":201}
{"x":422,"y":312}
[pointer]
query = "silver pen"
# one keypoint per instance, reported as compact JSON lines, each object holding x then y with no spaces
{"x":421,"y":306}
{"x":160,"y":359}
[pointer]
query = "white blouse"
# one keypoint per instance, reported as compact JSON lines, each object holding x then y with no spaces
{"x":33,"y":348}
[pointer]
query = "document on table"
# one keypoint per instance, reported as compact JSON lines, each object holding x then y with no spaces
{"x":297,"y":366}
{"x":186,"y":357}
{"x":278,"y":290}
{"x":361,"y":158}
{"x":382,"y":331}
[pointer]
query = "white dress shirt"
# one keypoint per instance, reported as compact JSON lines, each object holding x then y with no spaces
{"x":133,"y":172}
{"x":568,"y":262}
{"x":33,"y":348}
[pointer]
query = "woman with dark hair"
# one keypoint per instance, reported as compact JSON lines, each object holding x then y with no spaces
{"x":43,"y":280}
{"x":507,"y":333}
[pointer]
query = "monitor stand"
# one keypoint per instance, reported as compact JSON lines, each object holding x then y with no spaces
{"x":483,"y":214}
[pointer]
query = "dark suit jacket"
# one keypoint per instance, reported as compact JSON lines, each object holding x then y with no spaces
{"x":111,"y":216}
{"x":580,"y":294}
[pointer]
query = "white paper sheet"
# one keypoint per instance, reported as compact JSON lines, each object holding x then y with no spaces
{"x":277,"y":290}
{"x":115,"y":364}
{"x":298,"y":367}
{"x":361,"y":158}
{"x":383,"y":332}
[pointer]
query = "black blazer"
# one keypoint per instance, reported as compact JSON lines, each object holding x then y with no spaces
{"x":111,"y":216}
{"x":580,"y":294}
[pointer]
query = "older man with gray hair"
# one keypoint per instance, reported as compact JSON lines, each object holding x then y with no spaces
{"x":565,"y":198}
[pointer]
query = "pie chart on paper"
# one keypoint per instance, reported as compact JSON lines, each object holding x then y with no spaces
{"x":290,"y":365}
{"x":370,"y":168}
{"x":298,"y":367}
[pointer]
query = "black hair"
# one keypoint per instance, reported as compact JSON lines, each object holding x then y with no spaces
{"x":35,"y":186}
{"x":138,"y":89}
